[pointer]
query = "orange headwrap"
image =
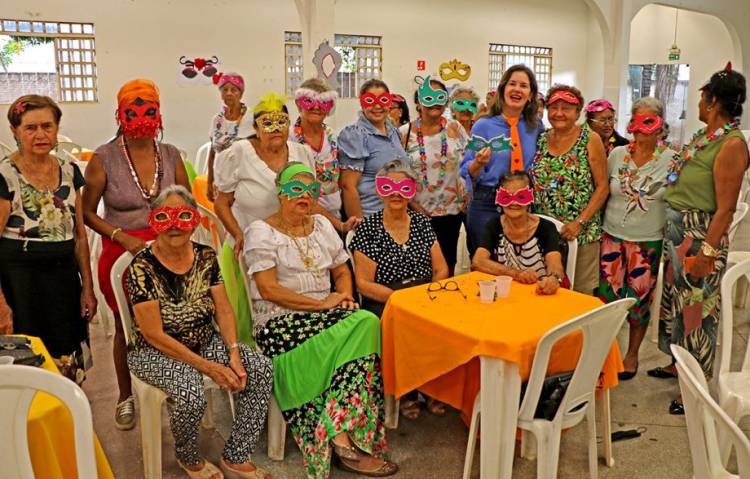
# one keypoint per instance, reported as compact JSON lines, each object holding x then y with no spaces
{"x":144,"y":89}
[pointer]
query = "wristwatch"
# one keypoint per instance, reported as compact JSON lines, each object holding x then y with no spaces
{"x":581,"y":221}
{"x":559,"y":279}
{"x":708,"y":250}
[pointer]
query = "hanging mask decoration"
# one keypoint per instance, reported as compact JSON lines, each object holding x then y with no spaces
{"x":465,"y":104}
{"x":522,"y":197}
{"x":307,"y":99}
{"x":496,"y":144}
{"x":327,"y":62}
{"x":646,"y":124}
{"x":198,"y":71}
{"x":273,"y":122}
{"x":369,"y":100}
{"x":140,"y":119}
{"x":184,"y":218}
{"x":455,"y":69}
{"x":428,"y":96}
{"x":297,"y":188}
{"x":405,"y":188}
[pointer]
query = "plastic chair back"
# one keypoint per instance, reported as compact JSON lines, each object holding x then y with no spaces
{"x":116,"y":275}
{"x":210,"y":230}
{"x":66,"y":150}
{"x":599,"y":328}
{"x":726,"y":324}
{"x":5,"y":150}
{"x":739,"y":215}
{"x":18,"y":385}
{"x":570,"y":262}
{"x":704,"y":417}
{"x":201,"y":158}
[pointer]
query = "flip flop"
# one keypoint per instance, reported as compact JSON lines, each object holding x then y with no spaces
{"x":661,"y":373}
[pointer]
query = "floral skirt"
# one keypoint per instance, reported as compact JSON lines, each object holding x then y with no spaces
{"x":327,"y":380}
{"x":690,"y":311}
{"x":628,"y":269}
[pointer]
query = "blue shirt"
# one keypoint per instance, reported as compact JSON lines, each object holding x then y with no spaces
{"x":364,"y":149}
{"x":490,"y":127}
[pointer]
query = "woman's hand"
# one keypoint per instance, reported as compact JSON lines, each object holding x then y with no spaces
{"x":223,"y":376}
{"x":701,"y":267}
{"x":131,"y":243}
{"x":239,"y":244}
{"x":570,"y":231}
{"x":348,"y":302}
{"x":333,"y":300}
{"x":350,"y":224}
{"x":547,"y":285}
{"x":210,"y":189}
{"x":6,"y":317}
{"x":88,"y":304}
{"x":483,"y":157}
{"x":235,"y":364}
{"x":526,"y":276}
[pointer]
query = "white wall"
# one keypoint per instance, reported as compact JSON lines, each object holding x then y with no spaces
{"x":144,"y":38}
{"x":704,"y":40}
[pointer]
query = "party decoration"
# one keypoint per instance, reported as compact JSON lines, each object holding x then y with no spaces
{"x":522,"y":197}
{"x":327,"y":62}
{"x":308,"y":99}
{"x":297,"y":188}
{"x":496,"y":144}
{"x":564,"y":95}
{"x":455,"y":69}
{"x":465,"y":104}
{"x":368,"y":100}
{"x":183,"y":218}
{"x":599,"y":105}
{"x":198,"y":71}
{"x":405,"y":188}
{"x":273,"y":122}
{"x":646,"y":124}
{"x":421,"y":65}
{"x":428,"y":96}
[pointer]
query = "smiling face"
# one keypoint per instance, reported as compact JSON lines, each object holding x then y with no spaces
{"x":302,"y":204}
{"x":37,"y":132}
{"x":517,"y":90}
{"x":230,"y":95}
{"x":377,"y":111}
{"x":513,"y":210}
{"x":562,"y":115}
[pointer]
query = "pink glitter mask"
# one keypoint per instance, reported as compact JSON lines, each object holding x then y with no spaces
{"x":522,"y":197}
{"x":405,"y":188}
{"x":307,"y":99}
{"x":599,"y":105}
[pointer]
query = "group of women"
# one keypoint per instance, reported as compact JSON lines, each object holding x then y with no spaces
{"x":288,"y":193}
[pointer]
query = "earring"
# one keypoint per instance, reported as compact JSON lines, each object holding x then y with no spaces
{"x":709,"y":108}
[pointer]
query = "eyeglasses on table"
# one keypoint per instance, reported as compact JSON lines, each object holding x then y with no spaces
{"x":450,"y":286}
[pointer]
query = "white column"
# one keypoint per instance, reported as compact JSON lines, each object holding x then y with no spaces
{"x":317,"y":19}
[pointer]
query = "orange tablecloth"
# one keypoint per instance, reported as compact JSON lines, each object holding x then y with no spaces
{"x":50,"y":431}
{"x":434,"y":345}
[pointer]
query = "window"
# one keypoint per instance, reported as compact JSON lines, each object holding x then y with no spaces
{"x":362,"y":59}
{"x":539,"y":59}
{"x":293,"y":60}
{"x":57,"y":59}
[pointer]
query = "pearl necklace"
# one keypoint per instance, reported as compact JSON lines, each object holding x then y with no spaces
{"x":423,"y":156}
{"x":151,"y":194}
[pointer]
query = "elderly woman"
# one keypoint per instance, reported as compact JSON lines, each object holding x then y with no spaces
{"x":315,"y":101}
{"x":232,"y":123}
{"x":600,"y":116}
{"x":633,"y":225}
{"x":464,"y":103}
{"x":396,"y":248}
{"x":436,"y":149}
{"x":399,"y":112}
{"x":176,"y":293}
{"x":503,"y":141}
{"x":519,"y":244}
{"x":702,"y":191}
{"x":569,"y":174}
{"x":365,"y":147}
{"x":127,"y":174}
{"x":46,"y":288}
{"x":326,"y":353}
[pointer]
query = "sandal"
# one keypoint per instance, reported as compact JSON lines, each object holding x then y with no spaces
{"x":207,"y":472}
{"x":661,"y":373}
{"x":436,"y":408}
{"x":345,"y":452}
{"x":388,"y":468}
{"x":411,"y":409}
{"x":257,"y":473}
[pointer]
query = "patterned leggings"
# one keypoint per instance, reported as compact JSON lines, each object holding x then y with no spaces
{"x":184,"y":386}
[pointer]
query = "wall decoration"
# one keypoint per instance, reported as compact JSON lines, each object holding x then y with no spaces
{"x":198,"y":71}
{"x":455,"y":69}
{"x":327,"y":62}
{"x":421,"y":65}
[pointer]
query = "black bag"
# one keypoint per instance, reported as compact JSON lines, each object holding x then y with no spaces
{"x":553,"y":390}
{"x":20,"y":350}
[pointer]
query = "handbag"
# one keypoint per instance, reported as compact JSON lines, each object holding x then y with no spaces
{"x":553,"y":390}
{"x":19,"y":349}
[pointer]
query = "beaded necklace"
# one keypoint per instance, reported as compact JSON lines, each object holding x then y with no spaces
{"x":328,"y":173}
{"x":147,"y":195}
{"x":423,"y":156}
{"x":639,"y":194}
{"x":699,"y":141}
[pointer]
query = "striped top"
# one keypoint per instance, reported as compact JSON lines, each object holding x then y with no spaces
{"x":527,"y":255}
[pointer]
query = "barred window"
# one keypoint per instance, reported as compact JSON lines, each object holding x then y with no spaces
{"x":539,"y":59}
{"x":294,"y":72}
{"x":57,"y":59}
{"x":362,"y":59}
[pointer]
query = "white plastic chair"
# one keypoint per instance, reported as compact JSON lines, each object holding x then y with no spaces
{"x":104,"y":315}
{"x":201,"y":158}
{"x":570,"y":263}
{"x":66,"y":150}
{"x":18,"y":385}
{"x":149,"y":398}
{"x":213,"y":235}
{"x":5,"y":150}
{"x":599,"y":328}
{"x":704,"y":419}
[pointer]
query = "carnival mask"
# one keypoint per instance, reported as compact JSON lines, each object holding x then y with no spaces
{"x":599,"y":105}
{"x":140,"y":119}
{"x":464,"y":104}
{"x":308,"y":99}
{"x":386,"y":186}
{"x":496,"y":144}
{"x":522,"y":197}
{"x":566,"y":96}
{"x":184,"y":218}
{"x":429,"y":96}
{"x":455,"y":69}
{"x":646,"y":124}
{"x":369,"y":100}
{"x":296,"y":188}
{"x":273,"y":122}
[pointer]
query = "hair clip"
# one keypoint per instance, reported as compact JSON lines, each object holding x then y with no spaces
{"x":19,"y":108}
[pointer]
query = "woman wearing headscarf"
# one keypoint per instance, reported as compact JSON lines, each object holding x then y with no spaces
{"x":127,"y":174}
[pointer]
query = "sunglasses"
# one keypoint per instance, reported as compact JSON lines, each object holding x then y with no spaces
{"x":450,"y":286}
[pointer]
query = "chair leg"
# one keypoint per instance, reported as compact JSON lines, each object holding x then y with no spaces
{"x":391,"y":412}
{"x":606,"y":418}
{"x":528,"y":445}
{"x":208,"y":416}
{"x":472,"y":442}
{"x":548,"y":452}
{"x":150,"y":417}
{"x":593,"y":455}
{"x":231,"y":403}
{"x":276,"y":431}
{"x":740,"y":295}
{"x":732,"y":408}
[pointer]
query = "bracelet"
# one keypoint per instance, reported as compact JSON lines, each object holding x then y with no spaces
{"x":581,"y":221}
{"x":232,"y":346}
{"x":113,"y":233}
{"x":708,"y":250}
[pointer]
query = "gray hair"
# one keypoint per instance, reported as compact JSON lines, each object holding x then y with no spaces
{"x":178,"y":190}
{"x":464,"y":89}
{"x":399,"y":165}
{"x":649,"y":103}
{"x":277,"y":180}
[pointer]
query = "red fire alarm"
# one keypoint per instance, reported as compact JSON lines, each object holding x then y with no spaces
{"x":420,"y":65}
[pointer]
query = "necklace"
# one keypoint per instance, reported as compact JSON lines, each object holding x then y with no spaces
{"x":423,"y":156}
{"x":326,"y":172}
{"x":150,"y":194}
{"x":638,"y":191}
{"x":699,"y":141}
{"x":304,"y":253}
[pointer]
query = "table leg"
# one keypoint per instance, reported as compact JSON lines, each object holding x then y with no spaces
{"x":500,"y":391}
{"x":391,"y":412}
{"x":606,"y":418}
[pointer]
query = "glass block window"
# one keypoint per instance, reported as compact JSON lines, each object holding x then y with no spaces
{"x":294,"y":70}
{"x":362,"y":59}
{"x":49,"y":58}
{"x":503,"y":56}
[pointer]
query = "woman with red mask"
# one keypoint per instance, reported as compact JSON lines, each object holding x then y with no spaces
{"x":128,"y":173}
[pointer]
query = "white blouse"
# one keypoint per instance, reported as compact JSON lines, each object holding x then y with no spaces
{"x":240,"y":170}
{"x":224,"y":132}
{"x":266,"y":248}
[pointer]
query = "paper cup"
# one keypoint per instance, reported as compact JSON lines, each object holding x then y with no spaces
{"x":5,"y":360}
{"x":486,"y":292}
{"x":503,"y":286}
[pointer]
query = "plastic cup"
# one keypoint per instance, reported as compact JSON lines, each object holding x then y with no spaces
{"x":503,"y":286}
{"x":486,"y":292}
{"x":5,"y":360}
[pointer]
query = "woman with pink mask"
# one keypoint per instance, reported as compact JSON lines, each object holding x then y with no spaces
{"x":600,"y":116}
